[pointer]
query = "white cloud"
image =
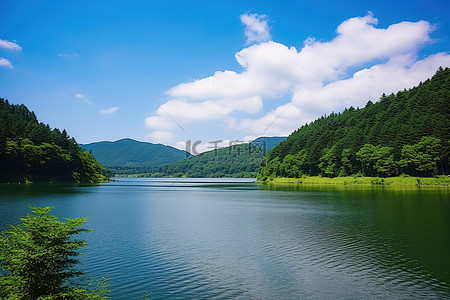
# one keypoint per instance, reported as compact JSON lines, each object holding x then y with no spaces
{"x":161,"y":136}
{"x":9,"y":45}
{"x":108,"y":111}
{"x":178,"y":110}
{"x":83,"y":98}
{"x":159,"y":122}
{"x":5,"y":63}
{"x":256,"y":28}
{"x":315,"y":78}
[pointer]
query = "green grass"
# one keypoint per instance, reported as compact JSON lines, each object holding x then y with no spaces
{"x":354,"y":180}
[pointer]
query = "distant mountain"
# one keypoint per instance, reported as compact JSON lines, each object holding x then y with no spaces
{"x":241,"y":160}
{"x":127,"y":156}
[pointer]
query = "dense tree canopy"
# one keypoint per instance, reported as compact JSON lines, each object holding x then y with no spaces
{"x":32,"y":151}
{"x":404,"y":133}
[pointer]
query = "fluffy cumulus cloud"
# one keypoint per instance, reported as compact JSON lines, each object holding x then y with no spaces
{"x":256,"y":28}
{"x":359,"y":64}
{"x":5,"y":63}
{"x":174,"y":111}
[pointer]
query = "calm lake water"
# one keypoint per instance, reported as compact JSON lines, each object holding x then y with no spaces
{"x":230,"y":238}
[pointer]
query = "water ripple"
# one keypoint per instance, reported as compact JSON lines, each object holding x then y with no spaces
{"x":203,"y":240}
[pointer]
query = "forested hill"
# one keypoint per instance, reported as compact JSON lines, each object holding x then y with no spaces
{"x":241,"y":160}
{"x":406,"y":133}
{"x":31,"y":151}
{"x":130,"y":156}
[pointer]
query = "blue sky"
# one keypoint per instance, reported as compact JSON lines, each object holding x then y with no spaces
{"x":172,"y":71}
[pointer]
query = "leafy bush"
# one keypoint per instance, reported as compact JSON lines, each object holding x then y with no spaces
{"x":38,"y":259}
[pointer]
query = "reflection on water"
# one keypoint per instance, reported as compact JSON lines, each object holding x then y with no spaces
{"x":216,"y":238}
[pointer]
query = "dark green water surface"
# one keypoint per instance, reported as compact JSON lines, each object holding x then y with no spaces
{"x":225,"y":238}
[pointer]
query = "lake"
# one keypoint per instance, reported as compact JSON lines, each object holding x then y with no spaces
{"x":231,"y":238}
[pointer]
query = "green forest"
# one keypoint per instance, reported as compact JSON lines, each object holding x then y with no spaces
{"x":31,"y":151}
{"x":405,"y":133}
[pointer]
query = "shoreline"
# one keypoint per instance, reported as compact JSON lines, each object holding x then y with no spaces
{"x":440,"y":181}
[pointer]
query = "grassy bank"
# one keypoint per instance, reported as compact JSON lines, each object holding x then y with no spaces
{"x":391,"y":181}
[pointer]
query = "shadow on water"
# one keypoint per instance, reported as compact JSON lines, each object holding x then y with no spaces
{"x":43,"y":189}
{"x":16,"y":199}
{"x":401,"y":224}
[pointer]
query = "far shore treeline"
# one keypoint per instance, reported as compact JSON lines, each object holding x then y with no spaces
{"x":31,"y":151}
{"x":406,"y":133}
{"x":239,"y":161}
